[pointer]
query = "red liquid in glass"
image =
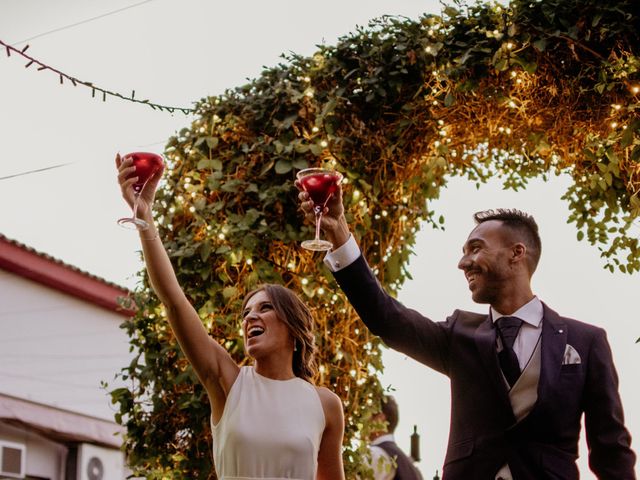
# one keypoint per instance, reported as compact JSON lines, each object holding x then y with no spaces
{"x":320,"y":186}
{"x":146,"y":165}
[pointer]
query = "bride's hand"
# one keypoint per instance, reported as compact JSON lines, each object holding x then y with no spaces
{"x":127,"y":178}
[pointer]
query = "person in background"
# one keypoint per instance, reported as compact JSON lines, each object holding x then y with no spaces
{"x":388,"y":461}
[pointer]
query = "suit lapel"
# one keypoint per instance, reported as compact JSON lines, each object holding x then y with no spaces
{"x":485,"y":338}
{"x":554,"y":341}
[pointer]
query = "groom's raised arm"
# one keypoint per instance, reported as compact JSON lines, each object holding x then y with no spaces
{"x":401,"y":328}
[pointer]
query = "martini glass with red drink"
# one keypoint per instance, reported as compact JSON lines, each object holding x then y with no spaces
{"x":146,"y":165}
{"x":320,"y":184}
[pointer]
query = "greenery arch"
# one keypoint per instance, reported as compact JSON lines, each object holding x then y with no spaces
{"x":532,"y":89}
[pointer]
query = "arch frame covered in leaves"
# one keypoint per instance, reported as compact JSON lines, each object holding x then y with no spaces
{"x":536,"y":88}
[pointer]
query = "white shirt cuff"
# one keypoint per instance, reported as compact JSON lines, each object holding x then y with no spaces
{"x":342,"y":256}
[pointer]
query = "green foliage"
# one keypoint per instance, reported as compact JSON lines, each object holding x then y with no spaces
{"x":528,"y":90}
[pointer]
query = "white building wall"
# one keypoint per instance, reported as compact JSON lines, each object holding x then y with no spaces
{"x":55,"y":349}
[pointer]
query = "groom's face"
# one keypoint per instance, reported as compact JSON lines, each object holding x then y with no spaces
{"x":486,"y":262}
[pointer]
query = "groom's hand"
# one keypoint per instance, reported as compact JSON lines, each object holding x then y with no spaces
{"x":333,"y":223}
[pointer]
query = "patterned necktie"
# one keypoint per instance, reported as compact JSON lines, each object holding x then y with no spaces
{"x":508,"y":328}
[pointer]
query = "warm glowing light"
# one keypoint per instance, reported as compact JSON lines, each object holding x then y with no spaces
{"x":510,"y":45}
{"x":635,"y":89}
{"x":614,"y":124}
{"x":221,"y":236}
{"x":321,"y":291}
{"x":304,"y":281}
{"x":315,"y":129}
{"x":249,"y":261}
{"x":324,"y":144}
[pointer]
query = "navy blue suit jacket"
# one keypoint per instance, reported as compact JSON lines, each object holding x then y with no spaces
{"x":484,"y":433}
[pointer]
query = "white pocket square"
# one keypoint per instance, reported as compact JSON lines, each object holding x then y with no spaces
{"x":571,"y":356}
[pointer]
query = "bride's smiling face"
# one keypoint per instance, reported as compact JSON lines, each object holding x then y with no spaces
{"x":263,"y":331}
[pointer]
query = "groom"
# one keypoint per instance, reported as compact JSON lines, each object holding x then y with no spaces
{"x":521,"y":375}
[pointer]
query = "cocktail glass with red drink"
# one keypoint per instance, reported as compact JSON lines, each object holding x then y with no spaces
{"x":146,"y":164}
{"x":320,"y":184}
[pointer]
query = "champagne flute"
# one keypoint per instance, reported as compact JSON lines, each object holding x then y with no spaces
{"x":146,"y":164}
{"x":320,"y":184}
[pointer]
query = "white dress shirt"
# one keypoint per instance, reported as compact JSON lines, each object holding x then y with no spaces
{"x":525,"y":343}
{"x":381,"y":462}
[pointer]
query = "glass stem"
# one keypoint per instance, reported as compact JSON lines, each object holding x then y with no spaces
{"x":318,"y":212}
{"x":136,"y":198}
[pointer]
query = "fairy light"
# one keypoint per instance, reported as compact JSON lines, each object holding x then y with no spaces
{"x":194,"y":194}
{"x":616,"y":106}
{"x":510,"y":45}
{"x":356,"y":194}
{"x":309,"y":93}
{"x":635,"y":89}
{"x":304,"y":281}
{"x":514,"y":73}
{"x":614,"y":124}
{"x":334,"y":297}
{"x":324,"y":144}
{"x":192,"y":209}
{"x":249,"y":261}
{"x":322,"y":369}
{"x":384,"y":213}
{"x":512,"y":104}
{"x":291,"y":266}
{"x":172,"y":210}
{"x":307,"y":79}
{"x":352,"y":372}
{"x":221,"y":236}
{"x":321,"y":291}
{"x":315,"y":129}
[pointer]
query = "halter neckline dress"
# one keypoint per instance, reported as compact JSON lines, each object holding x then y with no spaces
{"x":269,"y":429}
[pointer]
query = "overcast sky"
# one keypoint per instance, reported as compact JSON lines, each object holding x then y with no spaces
{"x":175,"y":53}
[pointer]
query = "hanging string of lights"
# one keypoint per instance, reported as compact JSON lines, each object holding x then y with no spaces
{"x":95,"y":90}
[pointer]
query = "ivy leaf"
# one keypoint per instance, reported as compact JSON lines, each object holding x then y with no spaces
{"x":283,"y":166}
{"x":212,"y":142}
{"x":449,"y":99}
{"x":540,"y":44}
{"x":229,"y":292}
